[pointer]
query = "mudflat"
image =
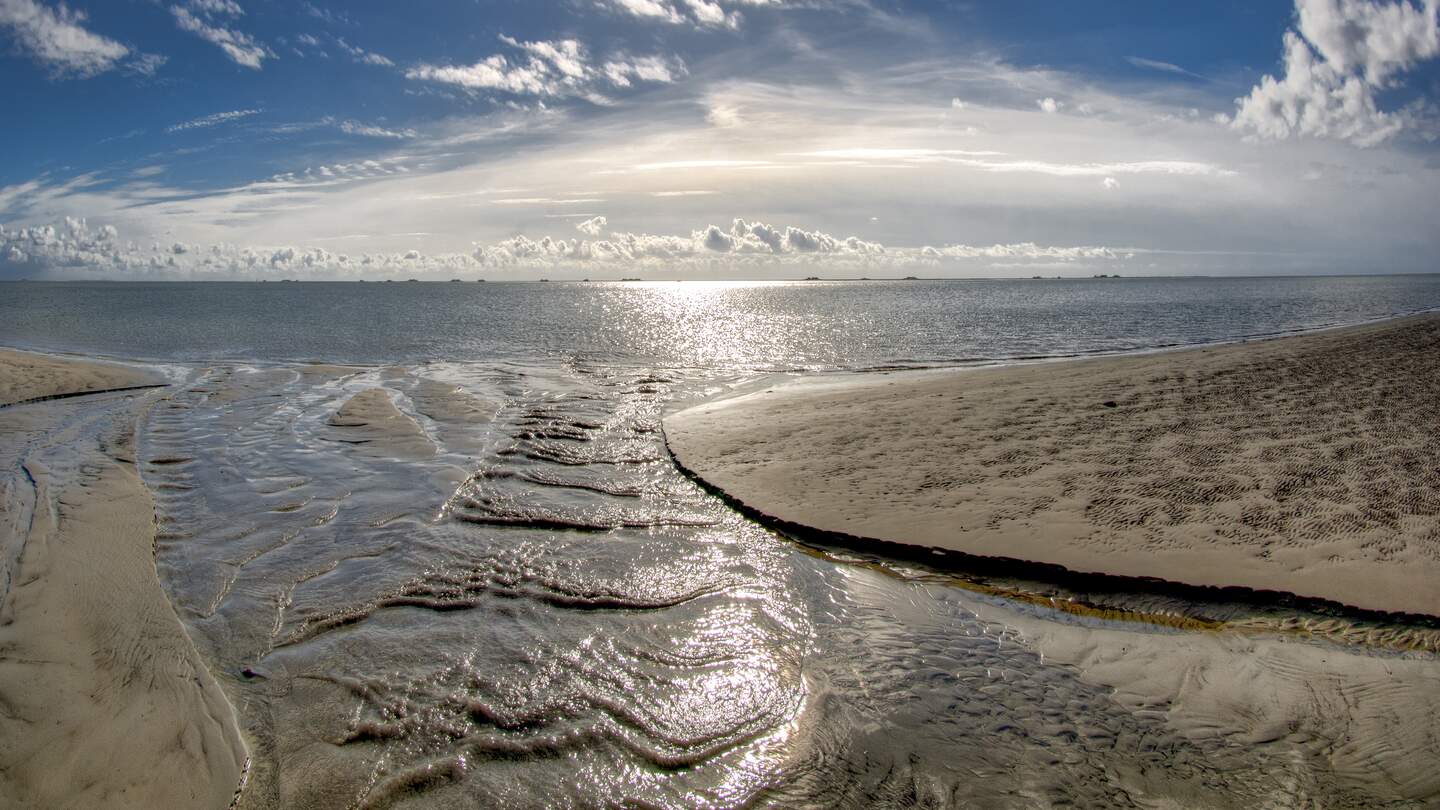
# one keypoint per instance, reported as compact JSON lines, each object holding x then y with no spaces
{"x":1307,"y":464}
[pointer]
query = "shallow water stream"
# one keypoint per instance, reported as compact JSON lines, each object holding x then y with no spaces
{"x":509,"y":596}
{"x":467,"y":573}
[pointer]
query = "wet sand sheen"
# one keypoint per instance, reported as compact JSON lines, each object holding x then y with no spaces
{"x":576,"y":620}
{"x":102,"y":692}
{"x":1308,"y":465}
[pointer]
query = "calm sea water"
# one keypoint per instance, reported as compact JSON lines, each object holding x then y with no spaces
{"x":776,"y":325}
{"x":525,"y":604}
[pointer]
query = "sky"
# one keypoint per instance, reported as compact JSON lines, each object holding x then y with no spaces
{"x":245,"y":139}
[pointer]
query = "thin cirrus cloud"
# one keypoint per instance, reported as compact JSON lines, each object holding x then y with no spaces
{"x":980,"y":160}
{"x":1163,"y":67}
{"x":214,"y":119}
{"x":372,"y":131}
{"x":558,"y":69}
{"x":359,"y":54}
{"x":209,"y":20}
{"x":58,"y":39}
{"x":1339,"y":55}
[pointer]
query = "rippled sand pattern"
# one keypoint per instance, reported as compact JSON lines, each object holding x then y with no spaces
{"x":543,"y":612}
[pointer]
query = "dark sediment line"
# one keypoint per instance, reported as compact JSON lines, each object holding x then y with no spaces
{"x":978,"y":565}
{"x":69,"y":394}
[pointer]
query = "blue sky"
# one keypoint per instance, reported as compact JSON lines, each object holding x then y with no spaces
{"x":715,"y":138}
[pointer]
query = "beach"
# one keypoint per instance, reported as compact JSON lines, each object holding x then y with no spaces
{"x":104,"y":702}
{"x":1306,"y":465}
{"x":323,"y":579}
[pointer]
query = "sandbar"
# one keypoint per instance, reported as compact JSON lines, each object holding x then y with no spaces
{"x":1307,"y":465}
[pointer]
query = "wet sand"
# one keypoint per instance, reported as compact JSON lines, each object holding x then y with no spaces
{"x":104,"y":702}
{"x":1308,"y":465}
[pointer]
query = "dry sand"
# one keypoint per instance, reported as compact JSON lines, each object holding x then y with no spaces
{"x":26,"y":375}
{"x":1308,"y":464}
{"x":104,"y":702}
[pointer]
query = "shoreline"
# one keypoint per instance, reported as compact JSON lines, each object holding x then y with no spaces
{"x":1084,"y":592}
{"x":102,"y":687}
{"x":98,"y":357}
{"x":743,"y":447}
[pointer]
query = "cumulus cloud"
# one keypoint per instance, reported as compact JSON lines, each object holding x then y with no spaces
{"x":1048,"y":105}
{"x":1110,"y":184}
{"x":204,"y":18}
{"x":76,"y":249}
{"x":1339,"y":55}
{"x":56,"y":38}
{"x":592,"y":226}
{"x":559,"y":68}
{"x":211,"y":120}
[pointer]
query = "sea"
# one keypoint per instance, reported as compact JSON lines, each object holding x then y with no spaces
{"x":529,"y":605}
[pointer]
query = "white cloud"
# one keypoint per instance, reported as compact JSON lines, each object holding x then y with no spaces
{"x":622,"y":70}
{"x":918,"y":155}
{"x":1163,"y":67}
{"x":218,"y":8}
{"x":1048,"y":105}
{"x":1342,"y":53}
{"x":1110,"y":184}
{"x":212,"y":120}
{"x":74,"y":248}
{"x":698,"y":13}
{"x":592,"y":226}
{"x":724,"y":116}
{"x":56,"y":39}
{"x":146,"y":64}
{"x":369,"y":131}
{"x":361,"y":55}
{"x":547,"y":201}
{"x":335,"y":174}
{"x":239,"y":46}
{"x":560,"y":68}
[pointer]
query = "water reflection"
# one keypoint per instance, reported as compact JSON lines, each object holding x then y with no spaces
{"x":542,"y":612}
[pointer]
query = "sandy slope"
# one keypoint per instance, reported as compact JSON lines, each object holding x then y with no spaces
{"x":103,"y":700}
{"x":1307,"y":464}
{"x":25,"y":375}
{"x":370,"y":420}
{"x":1362,"y":722}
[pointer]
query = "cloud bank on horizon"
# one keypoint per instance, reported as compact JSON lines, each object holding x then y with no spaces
{"x":231,"y":139}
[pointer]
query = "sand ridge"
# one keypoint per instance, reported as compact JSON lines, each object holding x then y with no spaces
{"x":370,"y":420}
{"x":1307,"y":464}
{"x":104,"y":702}
{"x":28,"y":375}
